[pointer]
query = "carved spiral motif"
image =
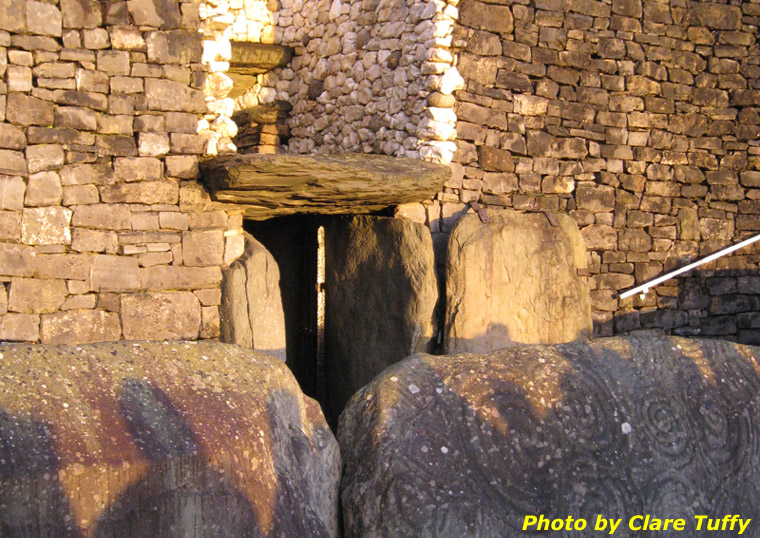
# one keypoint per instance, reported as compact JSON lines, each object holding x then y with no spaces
{"x":664,"y":421}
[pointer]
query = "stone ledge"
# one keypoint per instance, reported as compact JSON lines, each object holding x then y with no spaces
{"x":266,"y":186}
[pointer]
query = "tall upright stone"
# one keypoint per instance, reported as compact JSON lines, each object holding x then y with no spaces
{"x":515,"y":280}
{"x":251,"y":313}
{"x":380,"y":300}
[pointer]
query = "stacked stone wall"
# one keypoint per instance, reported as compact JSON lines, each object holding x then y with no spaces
{"x":640,"y":120}
{"x":105,"y":231}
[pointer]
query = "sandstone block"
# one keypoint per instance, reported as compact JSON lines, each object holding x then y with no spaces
{"x":88,"y":80}
{"x":44,"y":157}
{"x":182,"y":166}
{"x":174,"y":47}
{"x":210,"y":322}
{"x":68,"y":266}
{"x":46,"y":226}
{"x":19,"y":327}
{"x":36,"y":295}
{"x":11,"y":192}
{"x":156,"y":13}
{"x":80,"y":195}
{"x":11,"y":137}
{"x":717,"y":16}
{"x":173,"y":96}
{"x":595,"y":197}
{"x":172,"y":315}
{"x":137,"y":168}
{"x":174,"y":277}
{"x":81,"y":13}
{"x":10,"y":225}
{"x":43,"y":18}
{"x":489,"y":307}
{"x":12,"y":162}
{"x":80,"y":327}
{"x":76,"y":118}
{"x":153,"y":144}
{"x":203,"y":248}
{"x":18,"y":78}
{"x":16,"y":260}
{"x":85,"y":240}
{"x":44,"y":189}
{"x":103,"y":216}
{"x":13,"y":15}
{"x":488,"y":17}
{"x":113,"y":62}
{"x":115,"y":273}
{"x":144,"y":192}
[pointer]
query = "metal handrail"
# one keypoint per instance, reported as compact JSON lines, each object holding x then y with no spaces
{"x":643,"y":288}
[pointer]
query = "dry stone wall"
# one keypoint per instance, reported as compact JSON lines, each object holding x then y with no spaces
{"x":105,"y":231}
{"x":638,"y":118}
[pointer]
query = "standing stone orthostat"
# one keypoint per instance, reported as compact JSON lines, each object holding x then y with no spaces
{"x":514,"y":280}
{"x":381,"y":296}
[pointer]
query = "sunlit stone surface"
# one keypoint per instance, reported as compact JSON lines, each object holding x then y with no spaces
{"x":160,"y":440}
{"x":468,"y":445}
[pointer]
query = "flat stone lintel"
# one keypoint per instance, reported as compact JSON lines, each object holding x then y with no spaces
{"x":257,"y":58}
{"x":266,"y":186}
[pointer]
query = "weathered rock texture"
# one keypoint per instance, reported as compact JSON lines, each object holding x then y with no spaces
{"x":105,"y":231}
{"x":251,"y":313}
{"x":270,"y":185}
{"x":381,"y":294}
{"x":640,"y":120}
{"x":144,"y":439}
{"x":515,"y":280}
{"x":469,"y":445}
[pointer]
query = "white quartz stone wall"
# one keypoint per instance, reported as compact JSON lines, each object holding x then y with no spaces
{"x":372,"y":76}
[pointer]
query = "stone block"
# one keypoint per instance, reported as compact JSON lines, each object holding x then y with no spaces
{"x":114,"y":62}
{"x":46,"y":226}
{"x":496,"y":160}
{"x":81,"y":13}
{"x":10,"y":225}
{"x":36,"y":295}
{"x":717,"y":16}
{"x":153,"y":144}
{"x":80,"y":195}
{"x":44,"y":189}
{"x":488,"y":17}
{"x":182,"y":166}
{"x":599,"y":237}
{"x":595,"y":197}
{"x":176,"y":277}
{"x":203,"y":248}
{"x":210,"y":322}
{"x":18,"y":78}
{"x":144,"y":192}
{"x":16,"y":260}
{"x":44,"y":157}
{"x":103,"y":217}
{"x":137,"y":168}
{"x":76,"y":118}
{"x":115,"y":273}
{"x":11,"y":137}
{"x":181,"y":47}
{"x":13,"y":16}
{"x":80,"y":327}
{"x":168,"y":95}
{"x":116,"y":146}
{"x":12,"y":191}
{"x":127,"y":38}
{"x":66,"y":266}
{"x":156,"y":13}
{"x":173,"y":220}
{"x":19,"y":327}
{"x":89,"y":80}
{"x":85,"y":240}
{"x":12,"y":162}
{"x":43,"y":18}
{"x":209,"y":297}
{"x":161,"y":316}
